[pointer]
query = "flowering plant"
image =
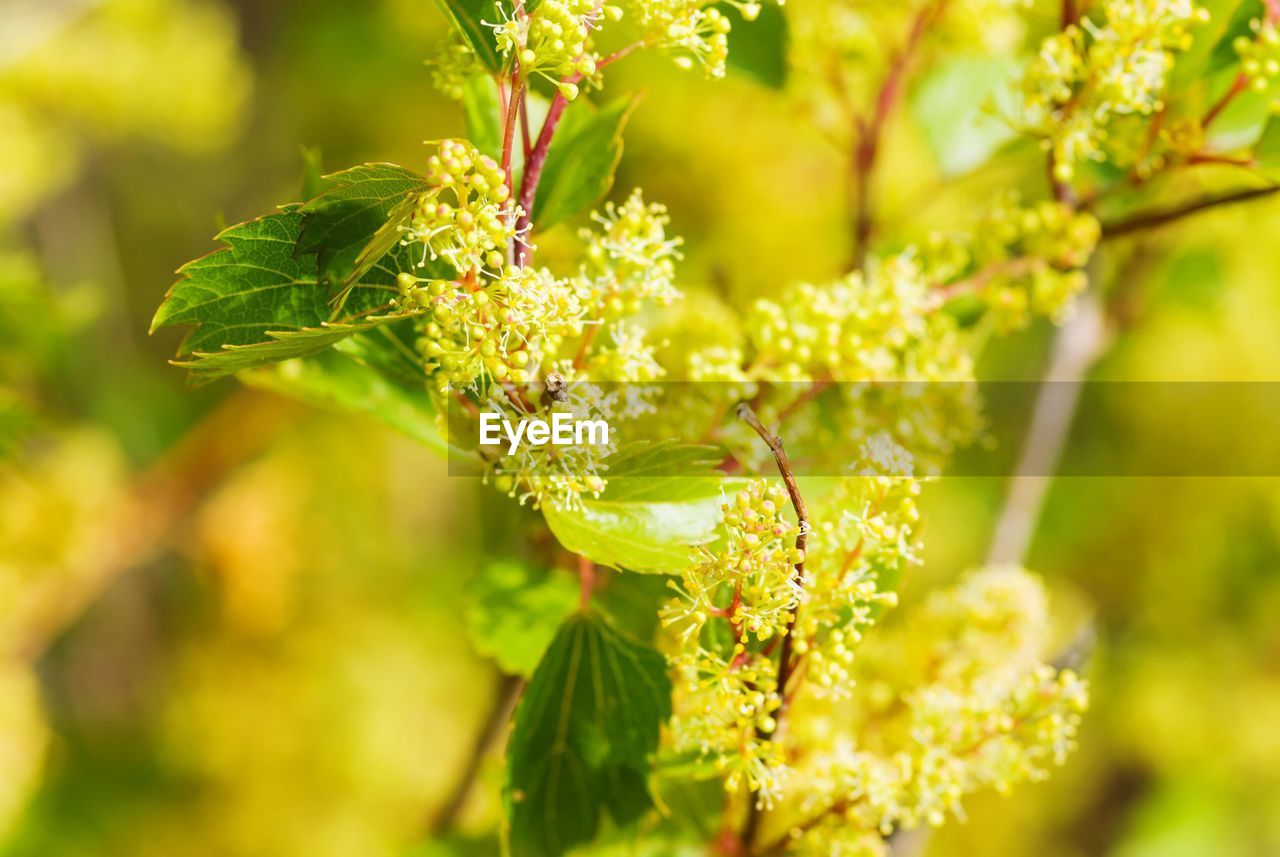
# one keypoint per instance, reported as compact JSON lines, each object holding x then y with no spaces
{"x":759,"y":670}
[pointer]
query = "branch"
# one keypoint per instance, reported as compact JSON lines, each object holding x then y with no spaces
{"x":785,"y":661}
{"x":867,"y":149}
{"x":1160,"y":217}
{"x":537,"y":158}
{"x":1079,"y":343}
{"x":506,"y":695}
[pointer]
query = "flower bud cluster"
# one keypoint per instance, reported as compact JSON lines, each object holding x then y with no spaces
{"x":452,"y":64}
{"x":501,"y":329}
{"x":879,"y":327}
{"x":981,"y":712}
{"x":628,"y":258}
{"x":1260,"y":58}
{"x":731,"y":604}
{"x":463,"y":217}
{"x":560,"y":476}
{"x":1094,"y":72}
{"x":554,"y":40}
{"x":1027,"y":259}
{"x":862,"y":540}
{"x":696,"y":31}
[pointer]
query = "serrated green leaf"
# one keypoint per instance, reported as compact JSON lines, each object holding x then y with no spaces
{"x":953,"y":105}
{"x":584,"y":735}
{"x":515,"y":611}
{"x":581,"y":162}
{"x":280,"y":345}
{"x":642,"y":522}
{"x":631,"y":601}
{"x":354,"y":222}
{"x":758,"y":49}
{"x":257,"y":301}
{"x":469,"y":18}
{"x":336,"y":381}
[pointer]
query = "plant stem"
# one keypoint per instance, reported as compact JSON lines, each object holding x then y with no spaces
{"x":1239,"y":85}
{"x":1077,"y":347}
{"x":785,"y":660}
{"x":537,"y":158}
{"x":506,"y":695}
{"x":586,"y":581}
{"x":867,"y":149}
{"x":509,"y":122}
{"x":1160,"y":217}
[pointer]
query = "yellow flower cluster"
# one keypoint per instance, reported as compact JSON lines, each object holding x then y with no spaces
{"x":500,"y":328}
{"x":1093,"y":72}
{"x":452,"y":64}
{"x":696,"y":31}
{"x":949,"y":702}
{"x":554,"y":39}
{"x":732,"y":608}
{"x":1260,"y":57}
{"x":879,"y":327}
{"x":560,"y":476}
{"x":628,"y":258}
{"x":1025,"y":260}
{"x":863,"y":539}
{"x":462,"y":218}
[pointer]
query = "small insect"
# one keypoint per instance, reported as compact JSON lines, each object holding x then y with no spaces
{"x":556,"y":386}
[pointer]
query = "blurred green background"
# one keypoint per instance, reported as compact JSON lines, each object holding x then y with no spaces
{"x":233,"y":625}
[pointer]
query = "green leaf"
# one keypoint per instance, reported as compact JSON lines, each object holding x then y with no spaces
{"x":1267,"y":152}
{"x":354,"y":222}
{"x":644,"y":522}
{"x":1210,"y":42}
{"x":631,"y":601}
{"x":469,"y":18}
{"x":279,"y":345}
{"x":584,"y":735}
{"x":758,"y":48}
{"x":483,"y":115}
{"x":581,"y":162}
{"x":515,"y":611}
{"x":1224,"y":52}
{"x":338,"y":382}
{"x":953,"y":105}
{"x":256,"y":301}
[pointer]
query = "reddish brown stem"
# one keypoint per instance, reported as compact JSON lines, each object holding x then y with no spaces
{"x":1161,"y":217}
{"x":867,"y":150}
{"x":537,"y":158}
{"x":509,"y":122}
{"x":586,"y":581}
{"x":1239,"y":85}
{"x":785,"y":660}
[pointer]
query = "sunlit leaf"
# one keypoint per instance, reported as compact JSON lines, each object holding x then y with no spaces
{"x":354,"y":222}
{"x":581,"y":162}
{"x":515,"y":611}
{"x":955,"y":106}
{"x":644,"y":522}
